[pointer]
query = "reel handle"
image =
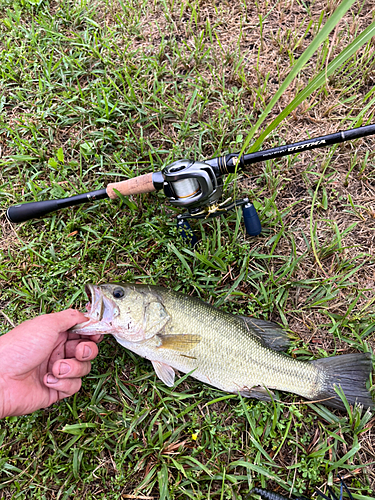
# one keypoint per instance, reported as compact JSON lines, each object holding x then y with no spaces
{"x":185,"y":231}
{"x":250,"y":215}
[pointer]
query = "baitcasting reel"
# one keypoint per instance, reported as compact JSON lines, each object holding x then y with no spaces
{"x":194,"y":186}
{"x":197,"y":187}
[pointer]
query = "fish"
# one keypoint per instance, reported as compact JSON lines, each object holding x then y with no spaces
{"x":234,"y":353}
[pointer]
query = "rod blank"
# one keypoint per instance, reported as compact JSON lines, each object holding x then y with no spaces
{"x":227,"y":164}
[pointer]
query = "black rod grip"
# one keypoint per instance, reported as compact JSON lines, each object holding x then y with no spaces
{"x":27,"y":211}
{"x":35,"y":209}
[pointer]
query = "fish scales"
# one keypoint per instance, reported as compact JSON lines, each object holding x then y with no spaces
{"x":233,"y":353}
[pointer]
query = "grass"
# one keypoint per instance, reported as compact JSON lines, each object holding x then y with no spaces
{"x":103,"y":91}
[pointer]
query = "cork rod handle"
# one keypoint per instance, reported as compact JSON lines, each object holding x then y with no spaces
{"x":136,"y":185}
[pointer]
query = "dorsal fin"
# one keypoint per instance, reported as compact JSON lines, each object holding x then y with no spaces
{"x":270,"y":334}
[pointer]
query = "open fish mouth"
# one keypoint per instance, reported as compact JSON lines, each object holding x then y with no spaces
{"x":89,"y":290}
{"x":101,"y":312}
{"x":95,"y":306}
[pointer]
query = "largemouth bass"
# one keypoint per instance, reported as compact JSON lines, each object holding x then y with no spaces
{"x":236,"y":354}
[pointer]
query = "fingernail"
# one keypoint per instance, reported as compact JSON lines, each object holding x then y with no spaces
{"x":51,"y":379}
{"x":64,"y":368}
{"x":86,"y":352}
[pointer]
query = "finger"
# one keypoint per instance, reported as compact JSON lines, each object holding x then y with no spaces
{"x":86,"y":351}
{"x":83,"y":350}
{"x":94,"y":338}
{"x":71,"y":368}
{"x":58,"y":351}
{"x":63,"y":387}
{"x":70,"y":348}
{"x":47,"y":327}
{"x":67,"y":350}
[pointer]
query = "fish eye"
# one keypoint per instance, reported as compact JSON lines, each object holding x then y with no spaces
{"x":118,"y":292}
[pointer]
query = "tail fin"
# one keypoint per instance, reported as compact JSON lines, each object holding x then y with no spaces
{"x":350,"y":372}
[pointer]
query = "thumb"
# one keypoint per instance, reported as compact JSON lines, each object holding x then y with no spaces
{"x":63,"y":320}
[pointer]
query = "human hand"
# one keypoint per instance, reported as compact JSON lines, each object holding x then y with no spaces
{"x":41,"y":362}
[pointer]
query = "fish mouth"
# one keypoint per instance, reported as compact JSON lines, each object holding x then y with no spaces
{"x":95,"y":306}
{"x":101,"y":311}
{"x":89,"y":290}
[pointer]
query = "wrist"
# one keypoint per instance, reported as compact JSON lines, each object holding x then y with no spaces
{"x":7,"y":405}
{"x":2,"y":391}
{"x":3,"y":382}
{"x":2,"y":398}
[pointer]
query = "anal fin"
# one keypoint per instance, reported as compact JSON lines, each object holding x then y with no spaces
{"x":257,"y":392}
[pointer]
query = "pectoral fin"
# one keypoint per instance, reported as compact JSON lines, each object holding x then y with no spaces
{"x":180,"y":343}
{"x":165,"y":372}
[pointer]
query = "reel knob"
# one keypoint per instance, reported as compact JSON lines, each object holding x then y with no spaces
{"x":251,"y":219}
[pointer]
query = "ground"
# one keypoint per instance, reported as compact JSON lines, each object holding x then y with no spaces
{"x":106,"y":90}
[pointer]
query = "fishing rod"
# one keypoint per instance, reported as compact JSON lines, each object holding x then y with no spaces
{"x":192,"y":185}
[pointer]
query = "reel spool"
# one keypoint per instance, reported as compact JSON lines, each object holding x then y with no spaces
{"x":191,"y":185}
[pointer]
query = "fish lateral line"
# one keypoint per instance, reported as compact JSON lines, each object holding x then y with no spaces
{"x":186,"y":356}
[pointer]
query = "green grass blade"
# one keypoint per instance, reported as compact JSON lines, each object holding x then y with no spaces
{"x":319,"y":80}
{"x":303,"y":59}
